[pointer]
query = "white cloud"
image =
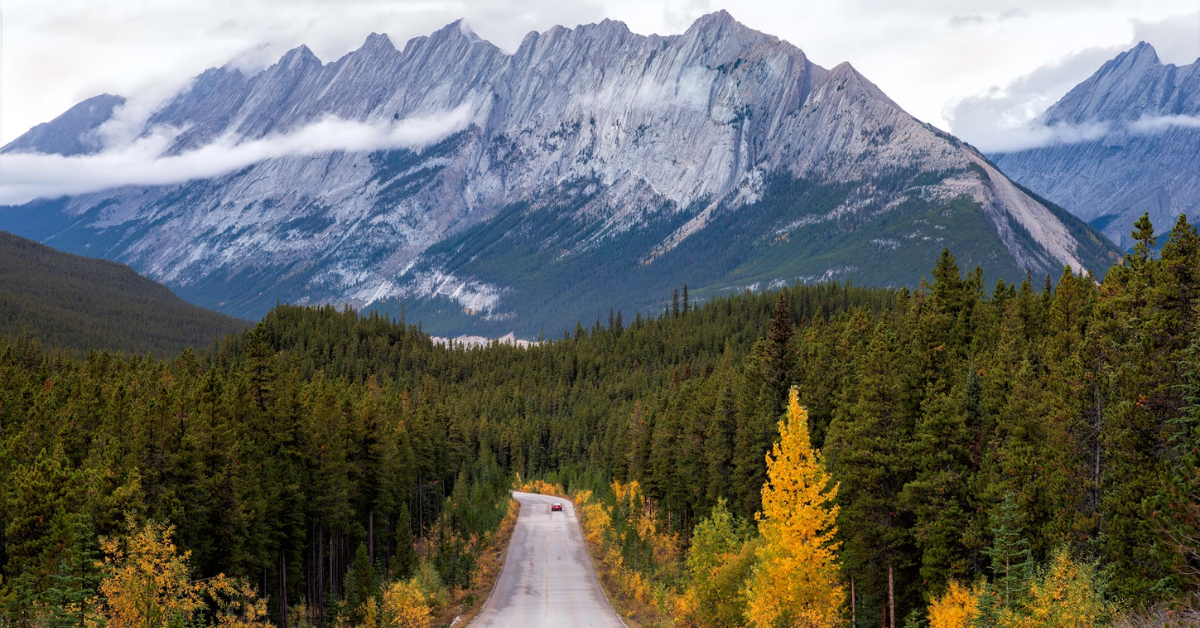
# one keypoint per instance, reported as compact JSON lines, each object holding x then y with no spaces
{"x":24,"y":177}
{"x":1157,"y":124}
{"x":1037,"y":136}
{"x":60,"y":52}
{"x":1000,"y":116}
{"x":1004,"y":118}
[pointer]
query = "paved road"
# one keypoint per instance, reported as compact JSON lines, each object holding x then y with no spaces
{"x":548,"y":579}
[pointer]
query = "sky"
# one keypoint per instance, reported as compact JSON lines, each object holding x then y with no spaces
{"x":972,"y":67}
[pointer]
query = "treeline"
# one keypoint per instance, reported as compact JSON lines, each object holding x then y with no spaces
{"x":79,"y":304}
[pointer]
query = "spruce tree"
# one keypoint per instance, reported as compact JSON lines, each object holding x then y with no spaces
{"x":405,"y":562}
{"x":360,"y":586}
{"x":1012,"y":562}
{"x":719,"y":441}
{"x":780,"y":358}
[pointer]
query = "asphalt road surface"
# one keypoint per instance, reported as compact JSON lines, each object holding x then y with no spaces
{"x":548,"y":579}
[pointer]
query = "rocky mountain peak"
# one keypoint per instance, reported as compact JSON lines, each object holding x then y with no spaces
{"x":456,"y":33}
{"x":1141,"y":157}
{"x":715,"y":22}
{"x":377,"y":42}
{"x":604,"y":29}
{"x":1143,"y":52}
{"x":844,"y":76}
{"x":298,"y":58}
{"x":1133,"y":84}
{"x":72,"y":133}
{"x":719,"y":33}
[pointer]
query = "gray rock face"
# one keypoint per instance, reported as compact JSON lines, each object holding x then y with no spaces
{"x":1148,"y":158}
{"x":645,"y":141}
{"x":72,"y":133}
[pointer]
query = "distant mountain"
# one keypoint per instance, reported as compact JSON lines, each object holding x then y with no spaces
{"x":82,"y":304}
{"x":593,"y":167}
{"x":72,"y":133}
{"x":1147,"y":159}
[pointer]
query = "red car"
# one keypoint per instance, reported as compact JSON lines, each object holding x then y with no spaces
{"x":555,"y":507}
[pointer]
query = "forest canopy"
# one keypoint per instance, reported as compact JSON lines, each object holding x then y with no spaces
{"x":989,"y":446}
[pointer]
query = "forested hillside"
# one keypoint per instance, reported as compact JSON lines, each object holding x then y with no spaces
{"x":983,"y":443}
{"x":81,"y":304}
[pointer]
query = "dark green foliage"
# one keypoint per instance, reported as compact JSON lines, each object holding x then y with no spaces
{"x":1012,"y":562}
{"x":84,"y":304}
{"x":949,"y":418}
{"x":405,"y":560}
{"x":360,"y":586}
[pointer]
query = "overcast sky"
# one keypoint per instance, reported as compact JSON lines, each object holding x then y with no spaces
{"x":968,"y":66}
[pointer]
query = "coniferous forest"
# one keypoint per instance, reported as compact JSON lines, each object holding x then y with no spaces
{"x":989,"y":455}
{"x":81,"y":303}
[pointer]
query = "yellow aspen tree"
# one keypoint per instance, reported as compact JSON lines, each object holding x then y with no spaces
{"x":1068,"y":594}
{"x":404,"y":606}
{"x":956,"y":609}
{"x":236,"y":604}
{"x":146,"y":582}
{"x":147,"y":585}
{"x":797,"y":581}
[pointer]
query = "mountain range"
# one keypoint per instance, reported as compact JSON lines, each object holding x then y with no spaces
{"x":591,"y":168}
{"x":1138,"y":121}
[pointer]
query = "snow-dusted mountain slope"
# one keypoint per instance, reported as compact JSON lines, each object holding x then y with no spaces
{"x":1146,"y":153}
{"x":593,"y":167}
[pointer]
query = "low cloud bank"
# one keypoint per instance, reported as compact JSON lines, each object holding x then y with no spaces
{"x":1034,"y":135}
{"x":1158,"y":124}
{"x":25,"y":177}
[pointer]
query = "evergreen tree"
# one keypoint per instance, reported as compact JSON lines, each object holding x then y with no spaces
{"x":73,"y":583}
{"x":360,"y":586}
{"x":719,"y":440}
{"x":1012,"y":562}
{"x":404,"y":563}
{"x":867,"y":447}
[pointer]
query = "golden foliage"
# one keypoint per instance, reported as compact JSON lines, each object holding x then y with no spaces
{"x":146,"y":581}
{"x":1066,"y":595}
{"x":686,"y":609}
{"x":490,"y":559}
{"x":957,"y":608}
{"x":796,"y":582}
{"x":147,"y":585}
{"x":404,"y":606}
{"x":597,"y":521}
{"x":236,"y":603}
{"x":539,"y":487}
{"x":371,"y":614}
{"x":594,"y":516}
